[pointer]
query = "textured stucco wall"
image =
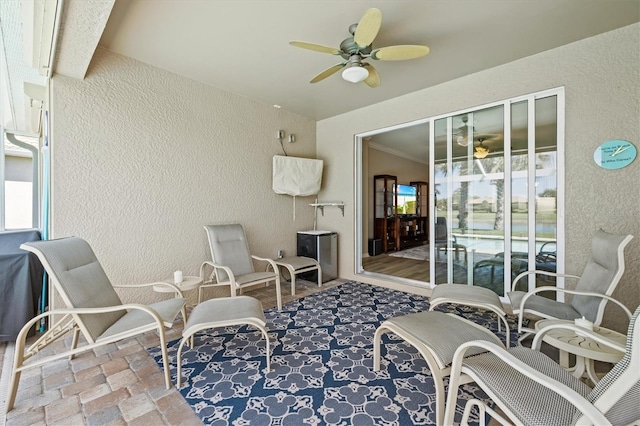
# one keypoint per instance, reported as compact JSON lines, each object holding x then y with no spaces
{"x":143,"y":158}
{"x":601,"y":76}
{"x":405,"y":170}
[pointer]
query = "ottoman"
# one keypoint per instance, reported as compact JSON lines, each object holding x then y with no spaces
{"x":477,"y":297}
{"x":436,"y":336}
{"x":223,"y":312}
{"x":297,"y":265}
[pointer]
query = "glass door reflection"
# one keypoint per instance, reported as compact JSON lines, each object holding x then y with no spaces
{"x":495,"y":184}
{"x":490,"y":196}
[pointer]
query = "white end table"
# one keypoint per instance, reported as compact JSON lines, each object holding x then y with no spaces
{"x":188,"y":283}
{"x":585,"y":349}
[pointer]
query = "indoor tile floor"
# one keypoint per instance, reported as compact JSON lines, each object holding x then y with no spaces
{"x":118,"y":384}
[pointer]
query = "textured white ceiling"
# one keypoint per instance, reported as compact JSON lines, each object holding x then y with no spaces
{"x":243,"y":46}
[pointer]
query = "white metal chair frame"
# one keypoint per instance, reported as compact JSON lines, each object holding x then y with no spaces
{"x":425,"y":340}
{"x":233,"y":281}
{"x":521,"y":310}
{"x":592,"y":413}
{"x":72,"y":321}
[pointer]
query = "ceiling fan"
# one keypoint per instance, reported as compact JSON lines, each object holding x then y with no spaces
{"x":355,"y":49}
{"x":462,"y":137}
{"x":480,"y":151}
{"x":462,"y":132}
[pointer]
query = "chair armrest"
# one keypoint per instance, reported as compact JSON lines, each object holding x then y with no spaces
{"x":540,"y":272}
{"x":576,"y":292}
{"x":22,"y":335}
{"x":161,"y":283}
{"x":131,"y":306}
{"x":66,"y":323}
{"x":574,"y":398}
{"x":124,"y":307}
{"x":568,"y":325}
{"x":215,"y":266}
{"x":266,"y":259}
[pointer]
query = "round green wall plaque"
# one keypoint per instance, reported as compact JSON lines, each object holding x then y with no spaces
{"x":615,"y":154}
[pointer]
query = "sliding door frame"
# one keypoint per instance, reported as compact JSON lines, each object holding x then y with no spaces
{"x":360,"y":185}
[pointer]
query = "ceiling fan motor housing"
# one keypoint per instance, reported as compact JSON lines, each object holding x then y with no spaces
{"x":348,"y":47}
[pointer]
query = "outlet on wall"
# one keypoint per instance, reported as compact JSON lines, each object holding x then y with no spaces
{"x":280,"y":254}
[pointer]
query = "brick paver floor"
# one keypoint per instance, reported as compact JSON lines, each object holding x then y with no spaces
{"x":117,"y":384}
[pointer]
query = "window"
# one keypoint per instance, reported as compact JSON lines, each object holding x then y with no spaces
{"x":497,"y":187}
{"x":19,"y":171}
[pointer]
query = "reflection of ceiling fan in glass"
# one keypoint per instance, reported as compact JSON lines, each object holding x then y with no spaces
{"x":462,"y":140}
{"x":480,"y":151}
{"x":466,"y":133}
{"x":462,"y":137}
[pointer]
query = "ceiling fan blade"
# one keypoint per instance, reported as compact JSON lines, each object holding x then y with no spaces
{"x":368,"y":27}
{"x":399,"y":53}
{"x":316,"y":47}
{"x":326,"y":73}
{"x":374,"y":78}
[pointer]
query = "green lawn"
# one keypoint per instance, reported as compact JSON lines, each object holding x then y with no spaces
{"x":484,"y":221}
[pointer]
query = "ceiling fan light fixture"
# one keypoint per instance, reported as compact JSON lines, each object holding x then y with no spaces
{"x":355,"y":73}
{"x":480,"y":151}
{"x":462,"y":140}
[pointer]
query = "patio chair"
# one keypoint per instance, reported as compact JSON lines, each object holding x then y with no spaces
{"x":546,"y":258}
{"x":489,"y":273}
{"x":531,"y":388}
{"x":232,"y":263}
{"x":545,"y":261}
{"x":599,"y":279}
{"x":443,"y":240}
{"x":93,"y":309}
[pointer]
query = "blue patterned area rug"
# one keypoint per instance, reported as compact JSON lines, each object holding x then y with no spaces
{"x":322,"y":365}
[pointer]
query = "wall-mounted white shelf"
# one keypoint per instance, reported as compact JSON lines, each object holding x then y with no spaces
{"x":321,"y":206}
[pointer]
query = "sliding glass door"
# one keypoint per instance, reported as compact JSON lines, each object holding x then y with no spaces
{"x":497,"y":193}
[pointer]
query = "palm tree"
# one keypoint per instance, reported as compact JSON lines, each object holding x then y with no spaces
{"x":463,"y":202}
{"x":518,"y":163}
{"x":463,"y":210}
{"x":498,"y":223}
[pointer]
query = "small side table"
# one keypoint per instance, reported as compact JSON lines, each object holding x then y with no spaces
{"x":585,"y":349}
{"x":188,"y":283}
{"x":297,"y":265}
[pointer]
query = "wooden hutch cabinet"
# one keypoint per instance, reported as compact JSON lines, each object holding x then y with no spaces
{"x":385,"y":200}
{"x":422,"y":208}
{"x":399,"y":226}
{"x":414,"y":228}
